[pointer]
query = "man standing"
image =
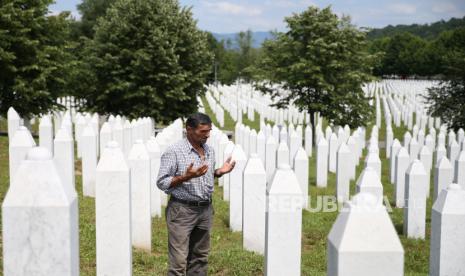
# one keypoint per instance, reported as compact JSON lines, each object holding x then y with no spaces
{"x":187,"y":172}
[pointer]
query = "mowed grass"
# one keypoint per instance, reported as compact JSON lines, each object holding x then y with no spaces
{"x":227,"y":257}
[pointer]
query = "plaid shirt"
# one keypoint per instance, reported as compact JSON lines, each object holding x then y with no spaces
{"x":174,"y":162}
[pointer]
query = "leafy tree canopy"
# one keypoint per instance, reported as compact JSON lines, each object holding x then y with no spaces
{"x":322,"y":62}
{"x":33,"y":57}
{"x":147,"y":59}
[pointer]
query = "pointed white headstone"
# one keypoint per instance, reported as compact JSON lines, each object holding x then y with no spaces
{"x":415,"y":201}
{"x":154,"y":152}
{"x":113,"y":213}
{"x":301,"y":171}
{"x":322,"y":163}
{"x":343,"y":173}
{"x":236,"y":189}
{"x":40,"y":221}
{"x":308,"y":139}
{"x":459,"y":169}
{"x":283,"y":224}
{"x":370,"y":182}
{"x":442,"y":176}
{"x":282,"y":154}
{"x":89,"y":160}
{"x":254,"y":205}
{"x":270,"y":163}
{"x":447,"y":232}
{"x":363,"y":240}
{"x":139,"y":164}
{"x":64,"y":156}
{"x":46,"y":133}
{"x":402,"y":164}
{"x":333,"y":147}
{"x":13,"y":122}
{"x":19,"y":146}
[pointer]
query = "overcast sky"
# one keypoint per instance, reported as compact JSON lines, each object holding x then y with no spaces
{"x":230,"y":16}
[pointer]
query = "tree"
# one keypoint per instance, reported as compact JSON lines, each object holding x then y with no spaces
{"x":447,"y":100}
{"x":148,"y":59}
{"x":322,"y":63}
{"x":403,"y":55}
{"x":33,"y":58}
{"x":90,"y":11}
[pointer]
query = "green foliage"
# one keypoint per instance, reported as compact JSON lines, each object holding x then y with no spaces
{"x":402,"y":54}
{"x":33,"y":57}
{"x":447,"y":100}
{"x":233,"y":63}
{"x":90,"y":11}
{"x":147,"y":58}
{"x":322,"y":62}
{"x":426,"y":31}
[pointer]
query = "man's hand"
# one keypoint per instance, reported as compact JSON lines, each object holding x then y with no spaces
{"x":192,"y":172}
{"x":227,"y":167}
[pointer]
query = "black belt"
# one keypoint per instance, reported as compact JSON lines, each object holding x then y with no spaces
{"x":192,"y":202}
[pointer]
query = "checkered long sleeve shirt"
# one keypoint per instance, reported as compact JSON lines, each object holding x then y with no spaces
{"x":174,"y":162}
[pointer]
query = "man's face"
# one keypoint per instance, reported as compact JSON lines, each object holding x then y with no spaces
{"x":200,"y":134}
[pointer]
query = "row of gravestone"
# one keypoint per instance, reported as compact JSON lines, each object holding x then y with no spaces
{"x":40,"y":210}
{"x":415,"y":178}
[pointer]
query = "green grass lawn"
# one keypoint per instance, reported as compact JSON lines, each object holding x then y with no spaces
{"x":227,"y":256}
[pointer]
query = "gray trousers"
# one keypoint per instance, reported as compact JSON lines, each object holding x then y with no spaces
{"x":188,"y":238}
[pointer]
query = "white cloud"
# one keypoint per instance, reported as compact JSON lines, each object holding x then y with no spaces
{"x":444,"y":7}
{"x":402,"y":8}
{"x":233,"y":9}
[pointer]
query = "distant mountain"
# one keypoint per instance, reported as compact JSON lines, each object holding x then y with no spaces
{"x":258,"y":38}
{"x":427,"y":31}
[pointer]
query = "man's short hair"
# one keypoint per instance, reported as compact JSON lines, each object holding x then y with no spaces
{"x":196,"y":119}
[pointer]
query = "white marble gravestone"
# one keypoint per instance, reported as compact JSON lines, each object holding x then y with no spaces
{"x":282,"y":154}
{"x":344,"y":165}
{"x":333,"y":147}
{"x":46,"y":133}
{"x":308,"y":139}
{"x":19,"y":146}
{"x":227,"y":178}
{"x":261,"y":146}
{"x":395,"y":147}
{"x":270,"y":163}
{"x":372,"y":160}
{"x":442,"y":176}
{"x":370,"y":182}
{"x":13,"y":122}
{"x":113,"y":213}
{"x":139,"y":164}
{"x":363,"y":241}
{"x":415,"y":201}
{"x":89,"y":160}
{"x":322,"y":163}
{"x":254,"y":205}
{"x":236,"y":189}
{"x":64,"y":156}
{"x":80,"y":124}
{"x":301,"y":171}
{"x":447,"y":252}
{"x":40,"y":221}
{"x":459,"y":169}
{"x":105,"y":135}
{"x":283,"y":224}
{"x":155,"y":154}
{"x":402,"y":164}
{"x":426,"y":158}
{"x":295,"y":143}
